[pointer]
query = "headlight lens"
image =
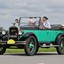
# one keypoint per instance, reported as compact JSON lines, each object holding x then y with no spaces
{"x":20,"y":32}
{"x":3,"y":32}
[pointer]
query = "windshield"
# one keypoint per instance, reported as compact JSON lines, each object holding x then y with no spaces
{"x":29,"y":21}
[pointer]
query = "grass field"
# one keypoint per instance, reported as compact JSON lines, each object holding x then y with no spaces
{"x":22,"y":50}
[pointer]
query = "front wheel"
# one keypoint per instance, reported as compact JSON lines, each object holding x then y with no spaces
{"x":60,"y":42}
{"x":2,"y":50}
{"x":31,"y":46}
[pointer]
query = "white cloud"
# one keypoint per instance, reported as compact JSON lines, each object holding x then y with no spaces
{"x":11,"y":9}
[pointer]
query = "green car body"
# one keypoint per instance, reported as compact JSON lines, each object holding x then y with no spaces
{"x":45,"y":35}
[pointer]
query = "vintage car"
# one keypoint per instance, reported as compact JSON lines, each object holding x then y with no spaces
{"x":31,"y":37}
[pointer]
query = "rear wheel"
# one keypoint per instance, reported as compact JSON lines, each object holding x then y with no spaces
{"x":60,"y":42}
{"x":31,"y":46}
{"x":2,"y":50}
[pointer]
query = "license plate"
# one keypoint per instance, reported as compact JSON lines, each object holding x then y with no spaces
{"x":10,"y":41}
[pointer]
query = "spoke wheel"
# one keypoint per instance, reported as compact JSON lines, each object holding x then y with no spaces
{"x":31,"y":46}
{"x":60,"y":49}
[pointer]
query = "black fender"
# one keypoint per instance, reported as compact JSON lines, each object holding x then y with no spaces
{"x":28,"y":34}
{"x":58,"y":37}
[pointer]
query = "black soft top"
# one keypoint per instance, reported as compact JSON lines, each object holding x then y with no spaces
{"x":53,"y":26}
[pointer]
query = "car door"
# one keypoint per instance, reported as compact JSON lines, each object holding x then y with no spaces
{"x":43,"y":35}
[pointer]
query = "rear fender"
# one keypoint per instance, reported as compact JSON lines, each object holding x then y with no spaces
{"x":59,"y":36}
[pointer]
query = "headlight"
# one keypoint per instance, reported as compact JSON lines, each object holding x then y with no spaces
{"x":3,"y":32}
{"x":20,"y":32}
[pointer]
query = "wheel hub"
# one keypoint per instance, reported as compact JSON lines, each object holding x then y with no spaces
{"x":31,"y":46}
{"x":61,"y":45}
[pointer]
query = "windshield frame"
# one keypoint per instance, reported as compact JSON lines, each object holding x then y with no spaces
{"x":20,"y":18}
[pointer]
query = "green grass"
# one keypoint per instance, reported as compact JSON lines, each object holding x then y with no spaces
{"x":22,"y":50}
{"x":14,"y":50}
{"x":47,"y":49}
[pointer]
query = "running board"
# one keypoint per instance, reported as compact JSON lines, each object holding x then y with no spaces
{"x":46,"y":46}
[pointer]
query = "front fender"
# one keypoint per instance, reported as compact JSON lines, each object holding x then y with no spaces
{"x":26,"y":35}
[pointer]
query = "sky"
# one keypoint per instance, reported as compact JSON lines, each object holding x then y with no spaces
{"x":12,"y":9}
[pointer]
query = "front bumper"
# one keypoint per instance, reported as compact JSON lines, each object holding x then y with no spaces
{"x":16,"y":43}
